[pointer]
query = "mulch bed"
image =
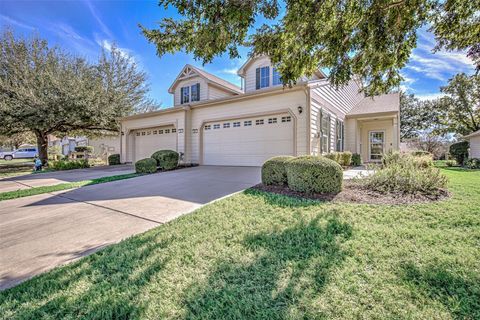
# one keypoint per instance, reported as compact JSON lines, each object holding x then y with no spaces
{"x":356,"y":193}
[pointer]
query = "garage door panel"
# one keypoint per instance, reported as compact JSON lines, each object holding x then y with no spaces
{"x":247,"y":145}
{"x":147,"y":141}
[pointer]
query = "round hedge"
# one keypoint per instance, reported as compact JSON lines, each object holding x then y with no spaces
{"x":147,"y":165}
{"x":274,"y":171}
{"x":166,"y":159}
{"x":311,"y":174}
{"x":113,"y":159}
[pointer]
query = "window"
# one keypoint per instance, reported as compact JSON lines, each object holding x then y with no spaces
{"x":259,"y":122}
{"x":226,"y":125}
{"x":272,"y":120}
{"x":143,"y":133}
{"x":174,"y":130}
{"x":138,"y":134}
{"x":247,"y":123}
{"x":154,"y":131}
{"x":339,"y":133}
{"x":324,"y":132}
{"x":184,"y":95}
{"x":216,"y":126}
{"x":262,"y":77}
{"x":286,"y":119}
{"x":276,"y":79}
{"x":208,"y":127}
{"x":160,"y":131}
{"x":167,"y":130}
{"x":195,"y":96}
{"x":236,"y":124}
{"x":149,"y":133}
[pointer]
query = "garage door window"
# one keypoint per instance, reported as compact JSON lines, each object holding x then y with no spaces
{"x":236,"y":124}
{"x":167,"y":130}
{"x":138,"y":134}
{"x":259,"y":122}
{"x":155,"y":131}
{"x":174,"y":130}
{"x":208,"y":127}
{"x":160,"y":131}
{"x":272,"y":120}
{"x":143,"y":133}
{"x":286,"y":119}
{"x":247,"y":123}
{"x":226,"y":125}
{"x":216,"y":126}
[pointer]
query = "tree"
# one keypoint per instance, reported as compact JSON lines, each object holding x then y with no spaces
{"x":416,"y":116}
{"x":430,"y":142}
{"x":460,"y":108}
{"x":44,"y":90}
{"x":15,"y":141}
{"x":369,"y":39}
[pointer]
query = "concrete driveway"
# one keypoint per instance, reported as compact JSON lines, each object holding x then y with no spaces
{"x":40,"y":232}
{"x":52,"y":178}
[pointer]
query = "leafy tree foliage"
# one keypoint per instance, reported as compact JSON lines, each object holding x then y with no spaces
{"x":44,"y":90}
{"x":370,"y":39}
{"x":16,"y":140}
{"x":460,"y":109}
{"x":417,"y":116}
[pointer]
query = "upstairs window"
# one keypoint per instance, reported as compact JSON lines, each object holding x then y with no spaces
{"x":195,"y":89}
{"x":276,"y":78}
{"x":262,"y":77}
{"x":184,"y":95}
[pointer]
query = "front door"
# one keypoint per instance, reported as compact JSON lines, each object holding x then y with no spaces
{"x":377,"y":145}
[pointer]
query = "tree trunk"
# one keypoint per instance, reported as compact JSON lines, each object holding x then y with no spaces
{"x":42,"y":145}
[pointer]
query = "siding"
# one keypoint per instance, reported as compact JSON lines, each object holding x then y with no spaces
{"x":475,"y":147}
{"x":216,"y":93}
{"x":190,"y":82}
{"x":250,"y":74}
{"x":335,"y":102}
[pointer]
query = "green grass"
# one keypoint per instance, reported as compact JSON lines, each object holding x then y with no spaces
{"x":262,"y":256}
{"x":62,"y":186}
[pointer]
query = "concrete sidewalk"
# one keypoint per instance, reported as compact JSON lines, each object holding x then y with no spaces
{"x":57,"y":177}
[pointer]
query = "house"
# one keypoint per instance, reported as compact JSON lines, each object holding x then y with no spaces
{"x":66,"y":145}
{"x":474,"y":140}
{"x":214,"y":122}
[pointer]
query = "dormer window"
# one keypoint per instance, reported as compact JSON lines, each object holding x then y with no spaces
{"x":277,"y":79}
{"x":262,"y":77}
{"x":190,"y":94}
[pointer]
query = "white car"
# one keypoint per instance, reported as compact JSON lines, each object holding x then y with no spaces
{"x":22,"y":153}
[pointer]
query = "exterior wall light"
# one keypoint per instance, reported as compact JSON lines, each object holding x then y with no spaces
{"x":300,"y":109}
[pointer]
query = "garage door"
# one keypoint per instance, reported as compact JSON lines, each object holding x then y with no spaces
{"x":247,"y":142}
{"x":147,"y":141}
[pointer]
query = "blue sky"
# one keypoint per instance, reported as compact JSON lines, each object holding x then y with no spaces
{"x":84,"y":27}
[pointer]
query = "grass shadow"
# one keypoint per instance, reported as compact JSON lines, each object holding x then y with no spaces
{"x":282,"y":200}
{"x":459,"y":294}
{"x":289,"y":270}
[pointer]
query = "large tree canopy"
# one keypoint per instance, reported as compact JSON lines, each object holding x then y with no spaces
{"x":45,"y":91}
{"x":417,"y":116}
{"x":371,"y":39}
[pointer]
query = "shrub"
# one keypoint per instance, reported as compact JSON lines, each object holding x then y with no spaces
{"x":459,"y":151}
{"x":274,"y":170}
{"x":345,"y":158}
{"x":395,"y":157}
{"x":166,"y":159}
{"x":423,"y":161}
{"x":473,"y":163}
{"x":87,"y":149}
{"x":450,"y":163}
{"x":405,"y":175}
{"x":419,"y":153}
{"x":391,"y":157}
{"x":69,"y":164}
{"x":147,"y":165}
{"x":356,"y":160}
{"x":113,"y":159}
{"x":312,"y":174}
{"x":335,"y":156}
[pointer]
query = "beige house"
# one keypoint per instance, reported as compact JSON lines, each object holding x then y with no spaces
{"x":214,"y":122}
{"x":474,"y":141}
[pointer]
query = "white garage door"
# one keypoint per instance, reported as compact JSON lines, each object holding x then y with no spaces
{"x":247,"y":142}
{"x":147,"y":141}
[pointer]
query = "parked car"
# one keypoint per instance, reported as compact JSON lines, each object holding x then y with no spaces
{"x":22,"y":153}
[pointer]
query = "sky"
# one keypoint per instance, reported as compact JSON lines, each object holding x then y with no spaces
{"x":85,"y":27}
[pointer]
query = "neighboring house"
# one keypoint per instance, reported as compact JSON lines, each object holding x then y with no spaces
{"x":105,"y":145}
{"x":474,"y":140}
{"x":214,"y":122}
{"x":66,"y":145}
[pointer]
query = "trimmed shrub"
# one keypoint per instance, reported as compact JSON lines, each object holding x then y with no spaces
{"x":419,"y":153}
{"x":147,"y":165}
{"x":113,"y":159}
{"x":335,"y":156}
{"x":166,"y":159}
{"x":450,"y":163}
{"x":403,"y":174}
{"x":87,"y":149}
{"x":345,"y":158}
{"x":274,"y":171}
{"x":473,"y":163}
{"x":312,"y":174}
{"x":459,"y":151}
{"x":356,"y":160}
{"x":69,"y":164}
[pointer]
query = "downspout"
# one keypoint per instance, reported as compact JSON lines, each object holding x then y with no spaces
{"x":121,"y":143}
{"x":309,"y":124}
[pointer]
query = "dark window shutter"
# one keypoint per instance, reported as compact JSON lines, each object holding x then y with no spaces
{"x":257,"y":79}
{"x":198,"y":91}
{"x":181,"y":95}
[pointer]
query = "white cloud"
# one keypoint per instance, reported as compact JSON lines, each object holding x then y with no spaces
{"x":232,"y":71}
{"x":8,"y":20}
{"x":124,"y":52}
{"x":430,"y":96}
{"x":100,"y":22}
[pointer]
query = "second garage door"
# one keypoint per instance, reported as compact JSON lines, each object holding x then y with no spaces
{"x":147,"y":141}
{"x":247,"y":142}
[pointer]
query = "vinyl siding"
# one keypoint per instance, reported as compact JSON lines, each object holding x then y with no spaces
{"x":216,"y":93}
{"x":190,"y":82}
{"x":250,"y":74}
{"x":474,"y":147}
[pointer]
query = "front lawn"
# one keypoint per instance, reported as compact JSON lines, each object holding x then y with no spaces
{"x":262,"y":256}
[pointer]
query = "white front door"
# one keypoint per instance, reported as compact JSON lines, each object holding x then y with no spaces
{"x":376,"y":145}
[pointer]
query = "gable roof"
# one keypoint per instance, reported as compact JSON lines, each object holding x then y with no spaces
{"x":190,"y":71}
{"x":377,"y":104}
{"x":473,"y":134}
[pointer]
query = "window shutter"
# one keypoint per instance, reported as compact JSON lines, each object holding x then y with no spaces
{"x":181,"y":95}
{"x":257,"y":78}
{"x":198,"y":91}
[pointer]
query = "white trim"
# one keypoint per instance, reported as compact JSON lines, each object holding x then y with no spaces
{"x":369,"y":144}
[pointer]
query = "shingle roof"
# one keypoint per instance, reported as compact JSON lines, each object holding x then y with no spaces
{"x":377,"y":104}
{"x":217,"y":80}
